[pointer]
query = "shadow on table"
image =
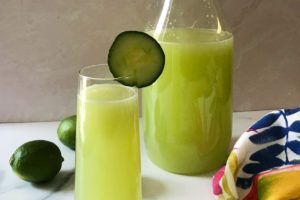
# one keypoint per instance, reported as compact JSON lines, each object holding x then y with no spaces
{"x":1,"y":175}
{"x":152,"y":188}
{"x":63,"y":181}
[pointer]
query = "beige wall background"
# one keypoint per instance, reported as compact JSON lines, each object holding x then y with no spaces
{"x":44,"y":43}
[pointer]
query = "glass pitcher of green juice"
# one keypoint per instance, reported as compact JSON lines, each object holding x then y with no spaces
{"x":187,"y":112}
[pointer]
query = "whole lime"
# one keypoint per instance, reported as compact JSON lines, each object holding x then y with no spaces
{"x":36,"y":161}
{"x":66,"y":131}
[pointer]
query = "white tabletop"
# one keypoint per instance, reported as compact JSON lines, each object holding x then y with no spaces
{"x":157,"y":184}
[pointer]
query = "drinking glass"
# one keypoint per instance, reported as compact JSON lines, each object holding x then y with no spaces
{"x":107,"y":138}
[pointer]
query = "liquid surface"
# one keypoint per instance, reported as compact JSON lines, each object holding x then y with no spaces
{"x":187,"y":111}
{"x":107,"y":148}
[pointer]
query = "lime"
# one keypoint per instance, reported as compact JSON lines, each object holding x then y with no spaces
{"x":66,"y":131}
{"x":36,"y":161}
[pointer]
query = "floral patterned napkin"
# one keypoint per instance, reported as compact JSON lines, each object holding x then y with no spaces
{"x":265,"y":162}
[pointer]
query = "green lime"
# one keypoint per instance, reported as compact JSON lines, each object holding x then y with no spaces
{"x":66,"y":131}
{"x":36,"y":161}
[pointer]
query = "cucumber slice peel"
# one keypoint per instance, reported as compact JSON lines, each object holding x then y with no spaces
{"x":136,"y":59}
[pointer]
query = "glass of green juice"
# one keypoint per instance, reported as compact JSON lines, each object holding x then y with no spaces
{"x":107,"y":138}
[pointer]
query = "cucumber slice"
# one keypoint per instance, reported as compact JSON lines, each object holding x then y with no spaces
{"x":137,"y":58}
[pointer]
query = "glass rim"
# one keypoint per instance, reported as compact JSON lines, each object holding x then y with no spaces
{"x":82,"y":75}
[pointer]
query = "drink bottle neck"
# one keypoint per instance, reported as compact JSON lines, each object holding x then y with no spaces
{"x":188,"y":14}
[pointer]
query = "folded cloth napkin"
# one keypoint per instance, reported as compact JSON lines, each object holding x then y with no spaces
{"x":265,"y":162}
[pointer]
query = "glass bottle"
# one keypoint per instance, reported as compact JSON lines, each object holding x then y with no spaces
{"x":187,"y":112}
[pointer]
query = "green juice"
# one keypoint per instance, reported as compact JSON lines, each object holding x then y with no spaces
{"x":107,"y":144}
{"x":187,"y":112}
